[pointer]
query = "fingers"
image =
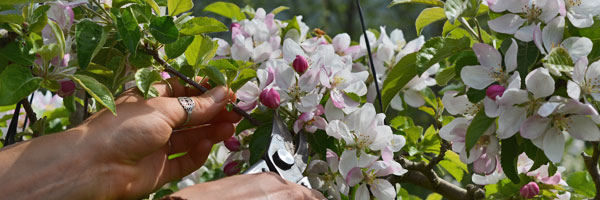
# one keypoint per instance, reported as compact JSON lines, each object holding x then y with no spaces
{"x":198,"y":144}
{"x":185,"y":140}
{"x":206,"y":107}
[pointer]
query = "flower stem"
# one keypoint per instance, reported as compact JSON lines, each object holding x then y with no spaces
{"x":465,"y":23}
{"x":591,"y":163}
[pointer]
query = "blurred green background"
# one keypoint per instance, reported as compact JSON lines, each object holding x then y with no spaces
{"x":339,"y":16}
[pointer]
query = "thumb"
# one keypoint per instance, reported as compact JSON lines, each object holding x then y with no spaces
{"x":206,"y":107}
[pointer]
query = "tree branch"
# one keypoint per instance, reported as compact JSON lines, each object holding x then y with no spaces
{"x":420,"y":174}
{"x":591,"y":163}
{"x":29,"y":113}
{"x":171,"y":70}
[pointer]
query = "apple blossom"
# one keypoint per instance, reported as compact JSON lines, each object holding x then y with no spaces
{"x":490,"y":70}
{"x":233,"y":144}
{"x":585,"y":80}
{"x":529,"y":190}
{"x":300,"y":64}
{"x":580,"y":12}
{"x":231,"y":168}
{"x":66,"y":88}
{"x":494,"y":91}
{"x":513,"y":23}
{"x":270,"y":98}
{"x":311,"y":121}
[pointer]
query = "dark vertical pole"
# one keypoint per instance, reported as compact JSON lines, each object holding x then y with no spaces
{"x":27,"y":114}
{"x":12,"y":128}
{"x":362,"y":22}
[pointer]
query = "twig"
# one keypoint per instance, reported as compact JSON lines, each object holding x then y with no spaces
{"x":591,"y":163}
{"x":30,"y":114}
{"x":464,"y":22}
{"x":443,"y":148}
{"x":420,"y":174}
{"x":171,"y":70}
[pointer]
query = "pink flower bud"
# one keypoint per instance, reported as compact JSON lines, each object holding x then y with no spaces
{"x":235,"y":25}
{"x":300,"y":64}
{"x":66,"y":88}
{"x":529,"y":190}
{"x":494,"y":91}
{"x":232,"y":168}
{"x":233,"y":144}
{"x":270,"y":98}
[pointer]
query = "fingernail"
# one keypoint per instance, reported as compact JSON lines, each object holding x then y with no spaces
{"x":218,"y":93}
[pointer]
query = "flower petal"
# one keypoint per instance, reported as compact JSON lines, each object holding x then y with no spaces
{"x":508,"y":23}
{"x":510,"y":59}
{"x":396,"y":103}
{"x":537,"y":39}
{"x":554,"y":145}
{"x":583,"y":127}
{"x":348,"y":161}
{"x":525,"y":33}
{"x":383,"y":189}
{"x":573,"y":90}
{"x":552,"y":34}
{"x":477,"y":77}
{"x":332,"y":160}
{"x":339,"y":130}
{"x":540,"y":83}
{"x":510,"y":121}
{"x":354,"y":176}
{"x":579,"y":70}
{"x":456,"y":104}
{"x":580,"y":20}
{"x":487,"y":55}
{"x":578,"y":47}
{"x":413,"y":98}
{"x":362,"y":192}
{"x":534,"y":126}
{"x":291,"y":49}
{"x":547,"y":108}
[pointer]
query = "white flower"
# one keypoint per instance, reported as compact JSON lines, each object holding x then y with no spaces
{"x":512,"y":23}
{"x":580,"y":12}
{"x":556,"y":117}
{"x":363,"y":128}
{"x":411,"y":90}
{"x":490,"y":70}
{"x":456,"y":132}
{"x":585,"y":80}
{"x":551,"y":37}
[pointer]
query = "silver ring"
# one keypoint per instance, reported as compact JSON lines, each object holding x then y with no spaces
{"x":188,"y":105}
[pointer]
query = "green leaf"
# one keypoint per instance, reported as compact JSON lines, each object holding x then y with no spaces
{"x":200,"y":25}
{"x":154,"y":6}
{"x":401,"y":123}
{"x":508,"y":158}
{"x":89,"y":37}
{"x":215,"y":75}
{"x":558,"y":60}
{"x":319,"y":142}
{"x":144,"y":78}
{"x":279,"y":9}
{"x":431,"y":142}
{"x":15,"y":53}
{"x":259,"y":142}
{"x":14,"y":2}
{"x":475,"y":96}
{"x":478,"y":126}
{"x":163,"y":29}
{"x":433,"y":51}
{"x":223,"y":64}
{"x":59,"y":36}
{"x":176,"y":155}
{"x":16,"y":82}
{"x":199,"y":52}
{"x":177,"y":48}
{"x":128,"y":29}
{"x":243,"y":77}
{"x":140,"y":60}
{"x":413,"y":134}
{"x":39,"y":19}
{"x":177,"y":7}
{"x":460,"y":8}
{"x":465,"y":58}
{"x":453,"y":165}
{"x":292,"y":25}
{"x":225,"y":9}
{"x":426,"y":2}
{"x":445,"y":75}
{"x":428,"y":16}
{"x":11,"y":18}
{"x":97,"y":90}
{"x":582,"y":183}
{"x":121,"y":3}
{"x":434,"y":196}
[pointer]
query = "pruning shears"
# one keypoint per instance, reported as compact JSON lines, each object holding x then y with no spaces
{"x":280,"y":157}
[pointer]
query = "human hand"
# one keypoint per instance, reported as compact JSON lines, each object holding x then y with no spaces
{"x":135,"y":144}
{"x":249,"y":186}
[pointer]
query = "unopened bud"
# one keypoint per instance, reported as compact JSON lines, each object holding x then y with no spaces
{"x":270,"y":98}
{"x":529,"y":190}
{"x":233,"y":144}
{"x":66,"y":88}
{"x":494,"y":91}
{"x":232,"y":168}
{"x":300,"y":64}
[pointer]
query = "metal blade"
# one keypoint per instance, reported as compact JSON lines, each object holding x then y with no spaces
{"x":301,"y":155}
{"x":279,"y":128}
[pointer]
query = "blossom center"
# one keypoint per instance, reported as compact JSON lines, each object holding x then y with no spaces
{"x":561,"y":122}
{"x":532,"y":12}
{"x":572,"y":3}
